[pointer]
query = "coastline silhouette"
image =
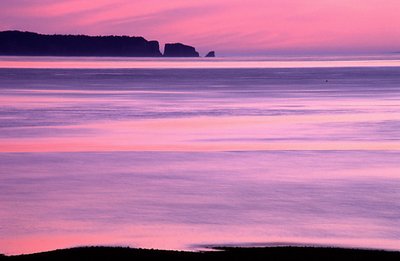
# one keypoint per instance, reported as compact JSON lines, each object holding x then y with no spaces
{"x":33,"y":44}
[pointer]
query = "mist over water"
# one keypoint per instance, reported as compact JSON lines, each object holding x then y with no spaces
{"x":177,"y":158}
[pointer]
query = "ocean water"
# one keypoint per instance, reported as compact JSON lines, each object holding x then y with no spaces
{"x":181,"y":154}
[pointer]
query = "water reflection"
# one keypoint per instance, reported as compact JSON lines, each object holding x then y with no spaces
{"x":388,"y":60}
{"x":176,"y":158}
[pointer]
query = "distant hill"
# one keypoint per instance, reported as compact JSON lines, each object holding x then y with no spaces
{"x":34,"y":44}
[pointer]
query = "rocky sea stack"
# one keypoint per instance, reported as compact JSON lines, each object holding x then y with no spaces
{"x":179,"y":50}
{"x":211,"y":54}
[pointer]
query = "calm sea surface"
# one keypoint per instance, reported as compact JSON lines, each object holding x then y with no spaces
{"x":183,"y":153}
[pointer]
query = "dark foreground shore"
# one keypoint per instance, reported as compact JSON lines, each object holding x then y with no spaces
{"x":228,"y":253}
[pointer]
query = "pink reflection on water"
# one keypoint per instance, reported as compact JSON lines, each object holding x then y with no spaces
{"x":121,"y":63}
{"x":91,"y":145}
{"x":192,"y":237}
{"x":305,"y":169}
{"x":211,"y":134}
{"x":218,"y":198}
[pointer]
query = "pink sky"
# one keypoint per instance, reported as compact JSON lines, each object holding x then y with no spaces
{"x":227,"y":26}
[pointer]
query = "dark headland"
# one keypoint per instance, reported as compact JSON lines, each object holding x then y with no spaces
{"x":33,"y":44}
{"x":223,"y":253}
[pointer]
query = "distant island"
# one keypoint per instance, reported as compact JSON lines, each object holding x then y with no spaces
{"x":33,"y":44}
{"x":211,"y":54}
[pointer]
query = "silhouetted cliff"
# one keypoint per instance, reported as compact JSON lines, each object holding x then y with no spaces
{"x":179,"y":50}
{"x":28,"y":43}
